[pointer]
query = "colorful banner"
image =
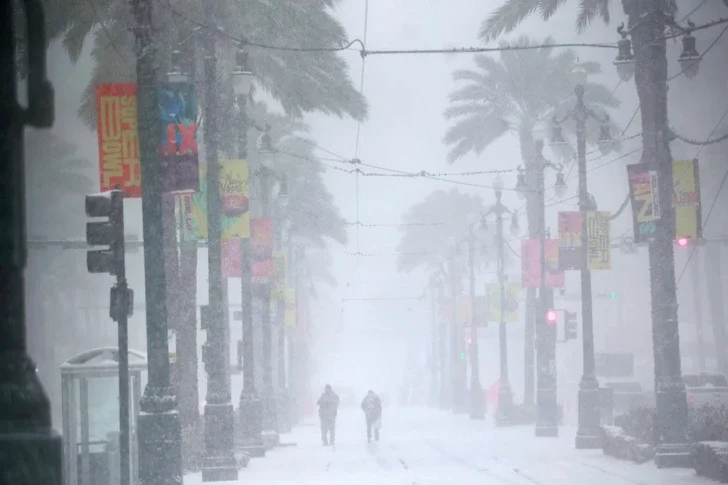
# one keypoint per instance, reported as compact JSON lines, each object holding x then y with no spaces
{"x":261,"y":246}
{"x":178,"y":150}
{"x":645,"y":201}
{"x":262,"y":269}
{"x":571,"y":254}
{"x":279,"y":267}
{"x":116,"y":111}
{"x":232,"y":258}
{"x":233,"y":185}
{"x":290,"y":319}
{"x":599,"y":249}
{"x":531,"y":264}
{"x":686,"y":199}
{"x":465,"y":311}
{"x":510,"y":306}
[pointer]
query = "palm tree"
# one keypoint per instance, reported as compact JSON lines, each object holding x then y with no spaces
{"x":301,"y":81}
{"x":513,"y":95}
{"x":650,"y":62}
{"x":419,"y":243}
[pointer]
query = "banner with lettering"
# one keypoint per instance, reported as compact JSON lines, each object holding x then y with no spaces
{"x":118,"y":136}
{"x":686,"y":199}
{"x":645,"y":201}
{"x":510,"y":302}
{"x":571,"y":253}
{"x":235,"y":216}
{"x":178,"y":151}
{"x":599,"y":249}
{"x":531,"y":264}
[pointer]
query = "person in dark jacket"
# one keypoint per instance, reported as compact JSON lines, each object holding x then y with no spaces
{"x":328,"y":405}
{"x":372,"y":407}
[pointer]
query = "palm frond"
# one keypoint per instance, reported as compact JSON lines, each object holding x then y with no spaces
{"x":506,"y":18}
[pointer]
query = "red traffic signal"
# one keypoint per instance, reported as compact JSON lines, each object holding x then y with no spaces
{"x":551,"y":316}
{"x":683,"y":241}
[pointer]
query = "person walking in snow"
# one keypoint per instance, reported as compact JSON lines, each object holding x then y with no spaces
{"x":372,"y":407}
{"x":328,"y":405}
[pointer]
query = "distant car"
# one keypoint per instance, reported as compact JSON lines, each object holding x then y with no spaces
{"x":706,"y":389}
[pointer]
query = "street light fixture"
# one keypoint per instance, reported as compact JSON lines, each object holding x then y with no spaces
{"x":689,"y":58}
{"x":625,"y":57}
{"x":605,"y":140}
{"x":521,"y":187}
{"x":504,"y":414}
{"x":560,"y":186}
{"x":176,"y":73}
{"x":242,"y":77}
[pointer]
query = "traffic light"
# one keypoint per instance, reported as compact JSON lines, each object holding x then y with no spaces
{"x":551,"y":316}
{"x":570,"y":325}
{"x":110,"y":232}
{"x":683,"y":241}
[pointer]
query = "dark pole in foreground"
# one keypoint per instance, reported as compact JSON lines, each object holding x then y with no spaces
{"x":219,"y":461}
{"x":159,"y":434}
{"x":477,"y":401}
{"x":698,"y":302}
{"x":251,"y":407}
{"x":587,"y":434}
{"x":30,"y":451}
{"x":547,"y":416}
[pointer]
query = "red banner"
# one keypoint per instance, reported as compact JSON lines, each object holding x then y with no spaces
{"x":262,"y":269}
{"x":116,"y":110}
{"x":531,"y":264}
{"x":261,"y":241}
{"x":231,"y":258}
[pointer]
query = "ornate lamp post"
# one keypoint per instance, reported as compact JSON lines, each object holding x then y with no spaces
{"x":505,"y":394}
{"x":457,"y":356}
{"x":250,"y":404}
{"x":587,"y":435}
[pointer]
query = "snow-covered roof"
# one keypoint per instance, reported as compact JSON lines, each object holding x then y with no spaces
{"x":102,"y":359}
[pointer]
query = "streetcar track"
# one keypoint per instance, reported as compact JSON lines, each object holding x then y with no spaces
{"x":480,"y":469}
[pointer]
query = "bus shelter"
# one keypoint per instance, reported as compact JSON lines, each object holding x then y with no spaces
{"x":90,"y":398}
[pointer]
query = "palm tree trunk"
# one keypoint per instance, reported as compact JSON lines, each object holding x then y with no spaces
{"x":712,"y":261}
{"x":650,"y":52}
{"x":529,"y":341}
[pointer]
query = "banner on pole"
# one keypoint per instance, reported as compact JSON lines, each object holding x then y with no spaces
{"x":510,"y":305}
{"x":290,"y":318}
{"x":531,"y":264}
{"x":118,"y":137}
{"x":599,"y":249}
{"x":686,"y":199}
{"x":465,"y":311}
{"x":178,"y":151}
{"x":279,"y":267}
{"x":571,"y":253}
{"x":261,"y":245}
{"x":232,"y":258}
{"x":233,"y":188}
{"x":645,"y":201}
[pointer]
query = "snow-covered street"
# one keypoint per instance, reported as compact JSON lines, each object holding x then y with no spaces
{"x":421,"y":447}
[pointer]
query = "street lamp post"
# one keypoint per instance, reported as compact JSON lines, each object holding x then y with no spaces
{"x":283,"y":420}
{"x":442,"y":347}
{"x":266,"y":178}
{"x":477,"y":401}
{"x":159,"y":432}
{"x":30,"y":450}
{"x":457,"y":358}
{"x":250,"y":404}
{"x":434,"y":337}
{"x":219,"y":461}
{"x":587,"y":434}
{"x":505,"y":394}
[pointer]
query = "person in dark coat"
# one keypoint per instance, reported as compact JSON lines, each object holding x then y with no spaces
{"x":328,"y":405}
{"x":372,"y":407}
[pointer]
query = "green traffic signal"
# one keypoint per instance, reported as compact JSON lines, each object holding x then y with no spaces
{"x":462,"y":355}
{"x":613,"y":295}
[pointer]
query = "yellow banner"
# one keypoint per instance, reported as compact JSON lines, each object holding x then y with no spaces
{"x":599,"y":249}
{"x":686,"y":198}
{"x":234,"y":203}
{"x":279,"y":267}
{"x":290,"y":307}
{"x":510,"y":305}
